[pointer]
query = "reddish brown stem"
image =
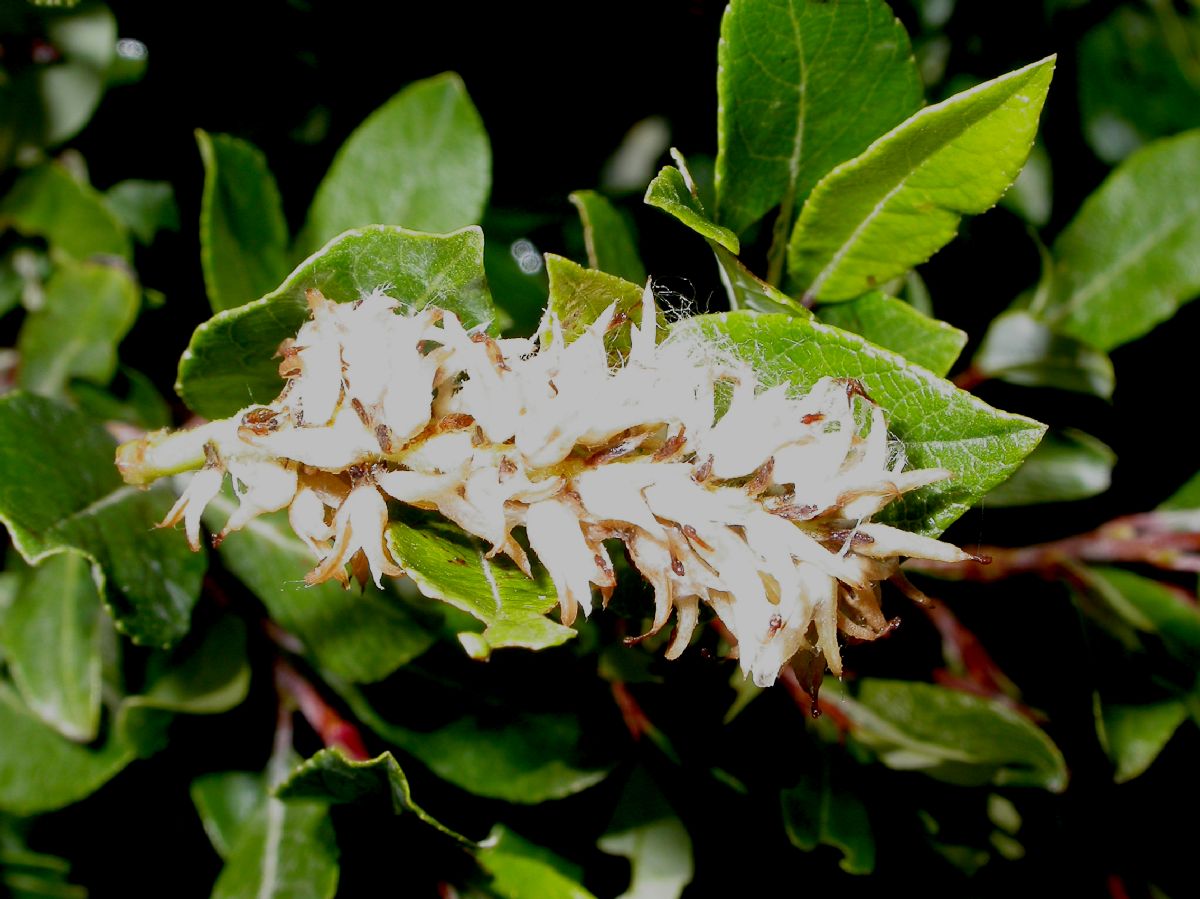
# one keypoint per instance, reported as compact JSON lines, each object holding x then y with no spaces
{"x":635,"y":719}
{"x":1163,"y":540}
{"x":334,"y":730}
{"x":969,"y":378}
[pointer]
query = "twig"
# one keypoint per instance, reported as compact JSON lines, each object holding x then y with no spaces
{"x":334,"y":730}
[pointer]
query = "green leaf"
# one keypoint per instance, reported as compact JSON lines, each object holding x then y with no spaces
{"x":1020,"y":349}
{"x":1134,"y":735}
{"x":898,"y":203}
{"x":1032,"y":194}
{"x":939,"y":425}
{"x":526,"y":758}
{"x":521,"y":869}
{"x":32,"y":875}
{"x":50,"y":637}
{"x":669,"y":192}
{"x":206,"y":675}
{"x":144,"y":207}
{"x":951,"y":736}
{"x":646,"y":831}
{"x":329,"y":776}
{"x":1185,"y":498}
{"x":448,"y":564}
{"x":821,"y":810}
{"x":359,"y":636}
{"x":801,"y":87}
{"x":286,"y":851}
{"x":60,"y":490}
{"x":225,"y":803}
{"x":87,"y":310}
{"x":41,"y":770}
{"x":579,"y":295}
{"x":48,"y":202}
{"x":1067,"y":465}
{"x":611,"y":246}
{"x":1149,"y":606}
{"x":230,"y":360}
{"x":897,"y":326}
{"x":243,"y":234}
{"x":422,"y":160}
{"x":1129,"y":259}
{"x":132,"y":399}
{"x":744,"y":289}
{"x":1133,"y":84}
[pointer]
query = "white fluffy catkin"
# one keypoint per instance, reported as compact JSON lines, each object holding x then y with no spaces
{"x":764,"y":512}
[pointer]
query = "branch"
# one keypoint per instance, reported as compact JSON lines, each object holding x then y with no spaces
{"x":334,"y":730}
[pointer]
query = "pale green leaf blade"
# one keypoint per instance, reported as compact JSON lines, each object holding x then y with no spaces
{"x":897,"y":326}
{"x":50,"y":636}
{"x":1149,"y":606}
{"x":287,"y":851}
{"x":48,"y":202}
{"x":41,"y":770}
{"x":898,"y":203}
{"x":422,"y":161}
{"x":801,"y":87}
{"x":610,"y":243}
{"x":748,"y":291}
{"x":579,"y":295}
{"x":822,"y":810}
{"x":59,"y":490}
{"x":329,"y":776}
{"x":230,"y":362}
{"x":144,"y":207}
{"x":448,"y":564}
{"x":527,"y":758}
{"x":243,"y":234}
{"x":521,"y":869}
{"x":1134,"y":735}
{"x":1131,"y":256}
{"x":87,"y":310}
{"x":225,"y":803}
{"x":1020,"y":349}
{"x":645,"y":830}
{"x":939,"y":425}
{"x":1185,"y":498}
{"x":669,"y":192}
{"x":206,"y":675}
{"x":1067,"y":465}
{"x":360,"y":636}
{"x":952,"y":736}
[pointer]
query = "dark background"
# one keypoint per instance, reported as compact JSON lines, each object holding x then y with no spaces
{"x":557,"y":86}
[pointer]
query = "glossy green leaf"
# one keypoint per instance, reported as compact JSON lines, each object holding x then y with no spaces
{"x":748,"y":291}
{"x":801,"y":87}
{"x":243,"y":234}
{"x":50,"y":637}
{"x":358,"y":635}
{"x":579,"y":295}
{"x":86,"y":311}
{"x":1020,"y":349}
{"x":1132,"y":85}
{"x":230,"y":359}
{"x":1129,"y":259}
{"x":897,"y":326}
{"x":611,"y":246}
{"x":32,"y":875}
{"x":1149,"y":606}
{"x":670,"y":193}
{"x":329,"y":776}
{"x":41,"y":770}
{"x":1067,"y":465}
{"x":144,"y":207}
{"x":448,"y":564}
{"x":286,"y":851}
{"x":645,"y":830}
{"x":821,"y":810}
{"x":1185,"y":498}
{"x":1134,"y":735}
{"x":940,"y":426}
{"x":422,"y":161}
{"x":898,"y":203}
{"x":48,"y":202}
{"x":526,"y":758}
{"x":952,"y":736}
{"x":225,"y":803}
{"x":131,"y":398}
{"x":60,"y":490}
{"x":521,"y":869}
{"x":207,"y":674}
